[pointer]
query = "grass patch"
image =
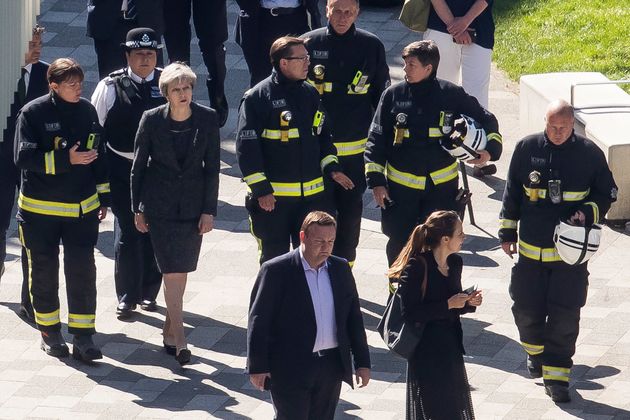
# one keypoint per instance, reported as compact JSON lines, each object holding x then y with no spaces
{"x":542,"y":36}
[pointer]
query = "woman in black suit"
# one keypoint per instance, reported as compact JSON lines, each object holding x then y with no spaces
{"x":437,"y":385}
{"x":174,"y":188}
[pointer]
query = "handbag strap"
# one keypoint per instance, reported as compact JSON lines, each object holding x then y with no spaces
{"x":423,"y":286}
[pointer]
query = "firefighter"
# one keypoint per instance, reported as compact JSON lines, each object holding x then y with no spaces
{"x":63,"y":196}
{"x":120,"y":99}
{"x":284,"y":150}
{"x":349,"y":69}
{"x":410,"y":174}
{"x":554,"y":176}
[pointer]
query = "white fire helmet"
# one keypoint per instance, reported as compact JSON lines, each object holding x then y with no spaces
{"x":576,"y":244}
{"x":464,"y":148}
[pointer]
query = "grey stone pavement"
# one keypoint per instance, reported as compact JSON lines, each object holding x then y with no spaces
{"x":136,"y":379}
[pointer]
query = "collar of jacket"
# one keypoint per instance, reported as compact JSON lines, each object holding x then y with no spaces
{"x":330,"y":32}
{"x":570,"y":141}
{"x":280,"y":79}
{"x":63,"y":106}
{"x":422,"y":87}
{"x":193,"y":109}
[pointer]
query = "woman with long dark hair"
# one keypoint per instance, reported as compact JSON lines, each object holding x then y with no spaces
{"x":429,"y":271}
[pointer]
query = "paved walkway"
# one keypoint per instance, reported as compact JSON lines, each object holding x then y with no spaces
{"x":137,"y":379}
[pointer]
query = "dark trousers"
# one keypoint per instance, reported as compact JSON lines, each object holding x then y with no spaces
{"x":41,"y":236}
{"x":277,"y":230}
{"x":313,"y":397}
{"x":9,"y":185}
{"x":110,"y":56}
{"x":410,"y":208}
{"x":269,"y":29}
{"x":135,"y":271}
{"x":210,"y":20}
{"x":547,"y":300}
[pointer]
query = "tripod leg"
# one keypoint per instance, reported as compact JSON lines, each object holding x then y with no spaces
{"x":462,"y":168}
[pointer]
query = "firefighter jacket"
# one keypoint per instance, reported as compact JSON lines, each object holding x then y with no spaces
{"x":282,"y":144}
{"x":404,"y":139}
{"x":585,"y":183}
{"x":350,"y":72}
{"x":51,"y":186}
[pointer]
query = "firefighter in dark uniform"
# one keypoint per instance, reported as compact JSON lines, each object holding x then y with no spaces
{"x":284,"y":150}
{"x":64,"y":194}
{"x":261,"y":22}
{"x":210,"y":20}
{"x":120,"y":99}
{"x":349,"y":69}
{"x":409,"y":173}
{"x":555,"y":175}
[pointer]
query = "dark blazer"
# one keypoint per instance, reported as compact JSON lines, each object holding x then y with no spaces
{"x":281,"y":329}
{"x":103,"y":16}
{"x":159,"y":186}
{"x":37,"y":86}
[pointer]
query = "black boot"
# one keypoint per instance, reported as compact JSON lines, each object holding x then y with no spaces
{"x":218,"y":102}
{"x":558,"y":393}
{"x":53,"y":344}
{"x":84,"y":349}
{"x":534,"y":368}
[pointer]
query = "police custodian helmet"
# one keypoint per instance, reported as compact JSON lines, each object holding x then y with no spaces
{"x":576,"y":244}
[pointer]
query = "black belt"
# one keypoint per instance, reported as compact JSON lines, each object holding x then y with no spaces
{"x":325,"y":352}
{"x":282,"y":11}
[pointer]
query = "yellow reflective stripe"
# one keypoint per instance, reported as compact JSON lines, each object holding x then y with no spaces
{"x":254,"y":178}
{"x":358,"y":90}
{"x":556,"y":373}
{"x":508,"y":224}
{"x":406,"y":133}
{"x":313,"y":187}
{"x":541,"y":192}
{"x":575,"y":195}
{"x":435,"y":132}
{"x":49,"y":162}
{"x":445,"y":174}
{"x":351,"y":264}
{"x":374,"y":167}
{"x":327,"y":160}
{"x":270,"y":134}
{"x":51,"y":208}
{"x":48,"y":318}
{"x":348,"y":148}
{"x":81,"y":320}
{"x":90,"y":203}
{"x":595,"y":210}
{"x":317,"y":118}
{"x":102,"y":188}
{"x":537,"y":253}
{"x":286,"y":189}
{"x":532,"y":349}
{"x":405,"y":178}
{"x":494,"y":136}
{"x":328,"y":86}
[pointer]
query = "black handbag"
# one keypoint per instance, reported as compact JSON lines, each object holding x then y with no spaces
{"x":401,"y":337}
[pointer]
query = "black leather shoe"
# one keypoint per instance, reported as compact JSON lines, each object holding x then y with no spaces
{"x":124,"y":309}
{"x":558,"y":393}
{"x":84,"y":349}
{"x":26,"y":312}
{"x":534,"y":368}
{"x":481,"y":171}
{"x":183,"y":356}
{"x":148,"y":305}
{"x":53,"y":344}
{"x":170,"y":350}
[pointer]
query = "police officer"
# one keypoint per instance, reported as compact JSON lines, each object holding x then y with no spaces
{"x":284,"y":150}
{"x":261,"y":22}
{"x":210,"y":19}
{"x":555,"y":175}
{"x":63,"y":196}
{"x":32,"y":84}
{"x":349,"y":69}
{"x":120,"y":99}
{"x":408,"y":171}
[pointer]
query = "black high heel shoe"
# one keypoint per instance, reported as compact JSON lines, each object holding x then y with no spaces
{"x":183,"y":357}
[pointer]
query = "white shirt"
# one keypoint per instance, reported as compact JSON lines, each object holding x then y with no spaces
{"x":323,"y":305}
{"x":27,"y":75}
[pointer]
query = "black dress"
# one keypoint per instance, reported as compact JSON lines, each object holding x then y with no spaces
{"x":437,"y":385}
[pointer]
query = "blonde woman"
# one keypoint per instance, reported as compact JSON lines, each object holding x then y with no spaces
{"x":174,"y":189}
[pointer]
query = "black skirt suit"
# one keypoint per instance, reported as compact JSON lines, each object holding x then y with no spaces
{"x":174,"y":183}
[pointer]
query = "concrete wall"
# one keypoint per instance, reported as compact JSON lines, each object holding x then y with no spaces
{"x":17,"y":18}
{"x":602,"y":115}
